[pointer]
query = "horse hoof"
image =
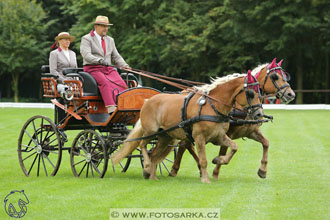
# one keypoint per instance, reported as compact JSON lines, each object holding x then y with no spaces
{"x":206,"y":181}
{"x":146,"y":175}
{"x":262,"y":174}
{"x":215,"y":160}
{"x":172,"y":174}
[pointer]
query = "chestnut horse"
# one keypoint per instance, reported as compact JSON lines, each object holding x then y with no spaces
{"x":272,"y":80}
{"x":162,"y":112}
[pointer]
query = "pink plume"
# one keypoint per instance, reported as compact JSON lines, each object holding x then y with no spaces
{"x":273,"y":64}
{"x":251,"y":80}
{"x":54,"y":45}
{"x":249,"y":77}
{"x":280,"y":63}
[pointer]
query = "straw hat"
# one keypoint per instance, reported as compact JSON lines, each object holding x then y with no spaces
{"x":103,"y":20}
{"x":64,"y":35}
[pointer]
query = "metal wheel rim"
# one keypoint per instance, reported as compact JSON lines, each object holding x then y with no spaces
{"x":88,"y":155}
{"x":39,"y":148}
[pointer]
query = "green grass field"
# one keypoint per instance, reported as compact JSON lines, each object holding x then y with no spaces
{"x":297,"y":184}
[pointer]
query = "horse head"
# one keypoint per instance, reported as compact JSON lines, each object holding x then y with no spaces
{"x":250,"y":98}
{"x":274,"y":80}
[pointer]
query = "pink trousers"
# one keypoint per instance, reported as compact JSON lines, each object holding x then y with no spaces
{"x":109,"y":82}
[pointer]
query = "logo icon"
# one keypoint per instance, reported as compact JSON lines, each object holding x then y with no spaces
{"x":15,"y":204}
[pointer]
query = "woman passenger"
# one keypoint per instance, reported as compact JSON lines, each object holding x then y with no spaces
{"x":62,"y":57}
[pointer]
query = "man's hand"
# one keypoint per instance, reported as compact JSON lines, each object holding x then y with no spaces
{"x":127,"y":68}
{"x":103,"y":62}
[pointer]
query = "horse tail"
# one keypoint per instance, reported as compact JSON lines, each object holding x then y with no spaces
{"x":128,"y":147}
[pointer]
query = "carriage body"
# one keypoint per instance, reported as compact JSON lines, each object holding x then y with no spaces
{"x":80,"y":107}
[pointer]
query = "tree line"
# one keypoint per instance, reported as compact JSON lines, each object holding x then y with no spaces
{"x":192,"y":39}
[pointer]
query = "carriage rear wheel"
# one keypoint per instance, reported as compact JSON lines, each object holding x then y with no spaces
{"x":88,"y":155}
{"x":39,"y":147}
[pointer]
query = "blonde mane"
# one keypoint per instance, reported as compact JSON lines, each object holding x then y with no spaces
{"x":256,"y":70}
{"x":221,"y":80}
{"x":218,"y":81}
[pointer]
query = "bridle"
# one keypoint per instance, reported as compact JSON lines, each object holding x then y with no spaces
{"x":272,"y":74}
{"x":250,"y":109}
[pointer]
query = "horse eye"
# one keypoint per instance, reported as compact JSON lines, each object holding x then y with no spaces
{"x":249,"y":93}
{"x":274,"y":76}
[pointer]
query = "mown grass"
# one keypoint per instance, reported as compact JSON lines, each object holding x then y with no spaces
{"x":297,"y":184}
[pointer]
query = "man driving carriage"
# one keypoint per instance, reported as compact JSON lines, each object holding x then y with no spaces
{"x":98,"y":51}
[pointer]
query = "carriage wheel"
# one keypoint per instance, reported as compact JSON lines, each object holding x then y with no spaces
{"x":164,"y":166}
{"x":113,"y":147}
{"x":88,"y":155}
{"x":39,"y":147}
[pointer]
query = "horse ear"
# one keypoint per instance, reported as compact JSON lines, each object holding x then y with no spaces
{"x":280,"y":63}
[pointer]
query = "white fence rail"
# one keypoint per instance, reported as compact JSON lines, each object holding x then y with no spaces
{"x":265,"y":106}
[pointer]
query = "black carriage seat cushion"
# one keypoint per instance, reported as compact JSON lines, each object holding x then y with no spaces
{"x":45,"y":69}
{"x":90,"y":87}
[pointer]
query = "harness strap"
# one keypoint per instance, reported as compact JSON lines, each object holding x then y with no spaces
{"x":182,"y":124}
{"x":187,"y":128}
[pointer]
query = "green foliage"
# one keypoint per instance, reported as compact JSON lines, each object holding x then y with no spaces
{"x":193,"y":39}
{"x":22,"y":38}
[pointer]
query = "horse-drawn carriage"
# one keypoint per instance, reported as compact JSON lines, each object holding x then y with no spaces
{"x":79,"y":106}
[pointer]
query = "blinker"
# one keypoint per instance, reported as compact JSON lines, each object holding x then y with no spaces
{"x":274,"y":76}
{"x":249,"y":93}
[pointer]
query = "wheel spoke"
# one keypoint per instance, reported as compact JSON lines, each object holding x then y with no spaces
{"x":160,"y":169}
{"x":96,"y":168}
{"x":92,"y":169}
{"x":33,"y":164}
{"x":29,"y":155}
{"x":43,"y":162}
{"x":30,"y":137}
{"x":38,"y":165}
{"x":52,"y":140}
{"x":82,"y":169}
{"x":27,"y":146}
{"x":87,"y":169}
{"x":50,"y":161}
{"x":81,"y":146}
{"x":165,"y":166}
{"x":41,"y":126}
{"x":79,"y":162}
{"x":35,"y":132}
{"x":169,"y":160}
{"x":50,"y":151}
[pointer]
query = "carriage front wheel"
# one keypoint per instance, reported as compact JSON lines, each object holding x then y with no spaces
{"x":88,"y":155}
{"x":39,"y":147}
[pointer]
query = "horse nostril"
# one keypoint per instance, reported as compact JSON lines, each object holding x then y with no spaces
{"x":291,"y":95}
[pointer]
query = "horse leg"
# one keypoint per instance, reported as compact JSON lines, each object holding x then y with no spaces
{"x":191,"y":149}
{"x":183,"y":145}
{"x":216,"y":170}
{"x":177,"y":161}
{"x":146,"y":159}
{"x":200,"y":143}
{"x":226,"y":141}
{"x":159,"y":153}
{"x":257,"y":136}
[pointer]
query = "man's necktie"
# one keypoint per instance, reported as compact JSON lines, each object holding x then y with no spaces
{"x":103,"y":44}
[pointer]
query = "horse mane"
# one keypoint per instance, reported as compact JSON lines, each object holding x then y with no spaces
{"x":207,"y":88}
{"x":256,"y":70}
